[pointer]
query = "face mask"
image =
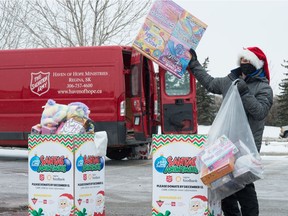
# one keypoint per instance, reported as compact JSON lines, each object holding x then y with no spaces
{"x":247,"y":68}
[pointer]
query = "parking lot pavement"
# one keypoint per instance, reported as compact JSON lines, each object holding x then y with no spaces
{"x":272,"y":190}
{"x":129,"y":187}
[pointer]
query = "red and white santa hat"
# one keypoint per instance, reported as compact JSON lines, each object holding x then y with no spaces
{"x":101,"y":193}
{"x":257,"y":58}
{"x":200,"y":197}
{"x":67,"y":196}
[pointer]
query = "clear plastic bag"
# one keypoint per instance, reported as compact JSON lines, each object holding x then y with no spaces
{"x":101,"y":142}
{"x":230,"y":159}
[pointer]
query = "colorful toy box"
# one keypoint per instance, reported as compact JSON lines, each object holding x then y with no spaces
{"x":209,"y":176}
{"x":167,"y":35}
{"x":66,"y":177}
{"x":213,"y":155}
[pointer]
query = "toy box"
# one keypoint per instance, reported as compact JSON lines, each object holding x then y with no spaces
{"x":167,"y":35}
{"x":219,"y":150}
{"x":208,"y":176}
{"x":232,"y":182}
{"x":66,"y":177}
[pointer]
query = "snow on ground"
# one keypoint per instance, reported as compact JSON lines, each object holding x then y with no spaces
{"x":272,"y":144}
{"x":272,"y":132}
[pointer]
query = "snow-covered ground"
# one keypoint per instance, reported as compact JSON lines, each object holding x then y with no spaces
{"x":273,"y":145}
{"x":272,"y":132}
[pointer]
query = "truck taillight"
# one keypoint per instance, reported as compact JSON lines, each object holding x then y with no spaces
{"x":122,"y":108}
{"x":156,"y":108}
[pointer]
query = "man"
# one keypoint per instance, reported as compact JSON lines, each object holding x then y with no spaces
{"x":257,"y":98}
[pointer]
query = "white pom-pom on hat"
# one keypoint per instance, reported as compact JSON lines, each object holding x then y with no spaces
{"x":256,"y":57}
{"x":254,"y":60}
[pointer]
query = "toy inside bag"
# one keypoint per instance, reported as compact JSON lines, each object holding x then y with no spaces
{"x":77,"y":120}
{"x":70,"y":119}
{"x":230,"y":159}
{"x":53,"y":113}
{"x":64,"y":119}
{"x":78,"y":109}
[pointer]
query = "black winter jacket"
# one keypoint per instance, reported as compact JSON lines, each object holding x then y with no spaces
{"x":257,"y":102}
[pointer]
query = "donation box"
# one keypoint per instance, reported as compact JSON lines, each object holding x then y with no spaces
{"x":177,"y":187}
{"x":65,"y":175}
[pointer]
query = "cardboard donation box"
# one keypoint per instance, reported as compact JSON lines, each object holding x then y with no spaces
{"x":177,"y":187}
{"x":66,"y":177}
{"x":167,"y":35}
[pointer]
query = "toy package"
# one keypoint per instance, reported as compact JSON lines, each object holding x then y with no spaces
{"x":69,"y":119}
{"x":167,"y":35}
{"x":64,"y":119}
{"x":229,"y":159}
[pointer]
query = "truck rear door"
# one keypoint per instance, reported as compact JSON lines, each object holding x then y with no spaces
{"x":178,"y":103}
{"x":141,"y":96}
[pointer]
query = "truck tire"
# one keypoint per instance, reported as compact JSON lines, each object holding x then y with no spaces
{"x":285,"y":134}
{"x":118,"y":154}
{"x":140,"y":152}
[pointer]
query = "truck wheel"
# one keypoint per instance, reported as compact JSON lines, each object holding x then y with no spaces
{"x":118,"y":154}
{"x":285,"y":134}
{"x":140,"y":152}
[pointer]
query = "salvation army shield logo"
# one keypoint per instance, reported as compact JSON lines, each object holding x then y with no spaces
{"x":41,"y":177}
{"x":169,"y":178}
{"x":40,"y":83}
{"x":84,"y":177}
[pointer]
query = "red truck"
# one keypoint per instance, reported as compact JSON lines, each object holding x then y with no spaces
{"x":126,"y":97}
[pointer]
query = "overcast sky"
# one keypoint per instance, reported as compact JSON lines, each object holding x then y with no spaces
{"x":235,"y":24}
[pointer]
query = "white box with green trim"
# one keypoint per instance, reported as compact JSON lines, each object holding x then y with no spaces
{"x":177,"y":187}
{"x":66,"y":177}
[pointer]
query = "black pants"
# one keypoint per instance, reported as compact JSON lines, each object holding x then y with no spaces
{"x":247,"y":199}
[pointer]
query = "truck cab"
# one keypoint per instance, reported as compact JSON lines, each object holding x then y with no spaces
{"x":127,"y":95}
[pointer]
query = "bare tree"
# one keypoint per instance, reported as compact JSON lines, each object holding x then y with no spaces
{"x":12,"y":33}
{"x":54,"y":23}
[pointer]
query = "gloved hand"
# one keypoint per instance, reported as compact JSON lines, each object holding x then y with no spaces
{"x":194,"y":61}
{"x":242,"y":86}
{"x":194,"y":55}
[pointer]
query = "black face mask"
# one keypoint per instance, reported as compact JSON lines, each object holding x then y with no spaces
{"x":247,"y":68}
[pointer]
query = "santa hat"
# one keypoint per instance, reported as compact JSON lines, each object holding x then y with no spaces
{"x":257,"y":58}
{"x":101,"y":193}
{"x":200,"y":197}
{"x":67,"y":196}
